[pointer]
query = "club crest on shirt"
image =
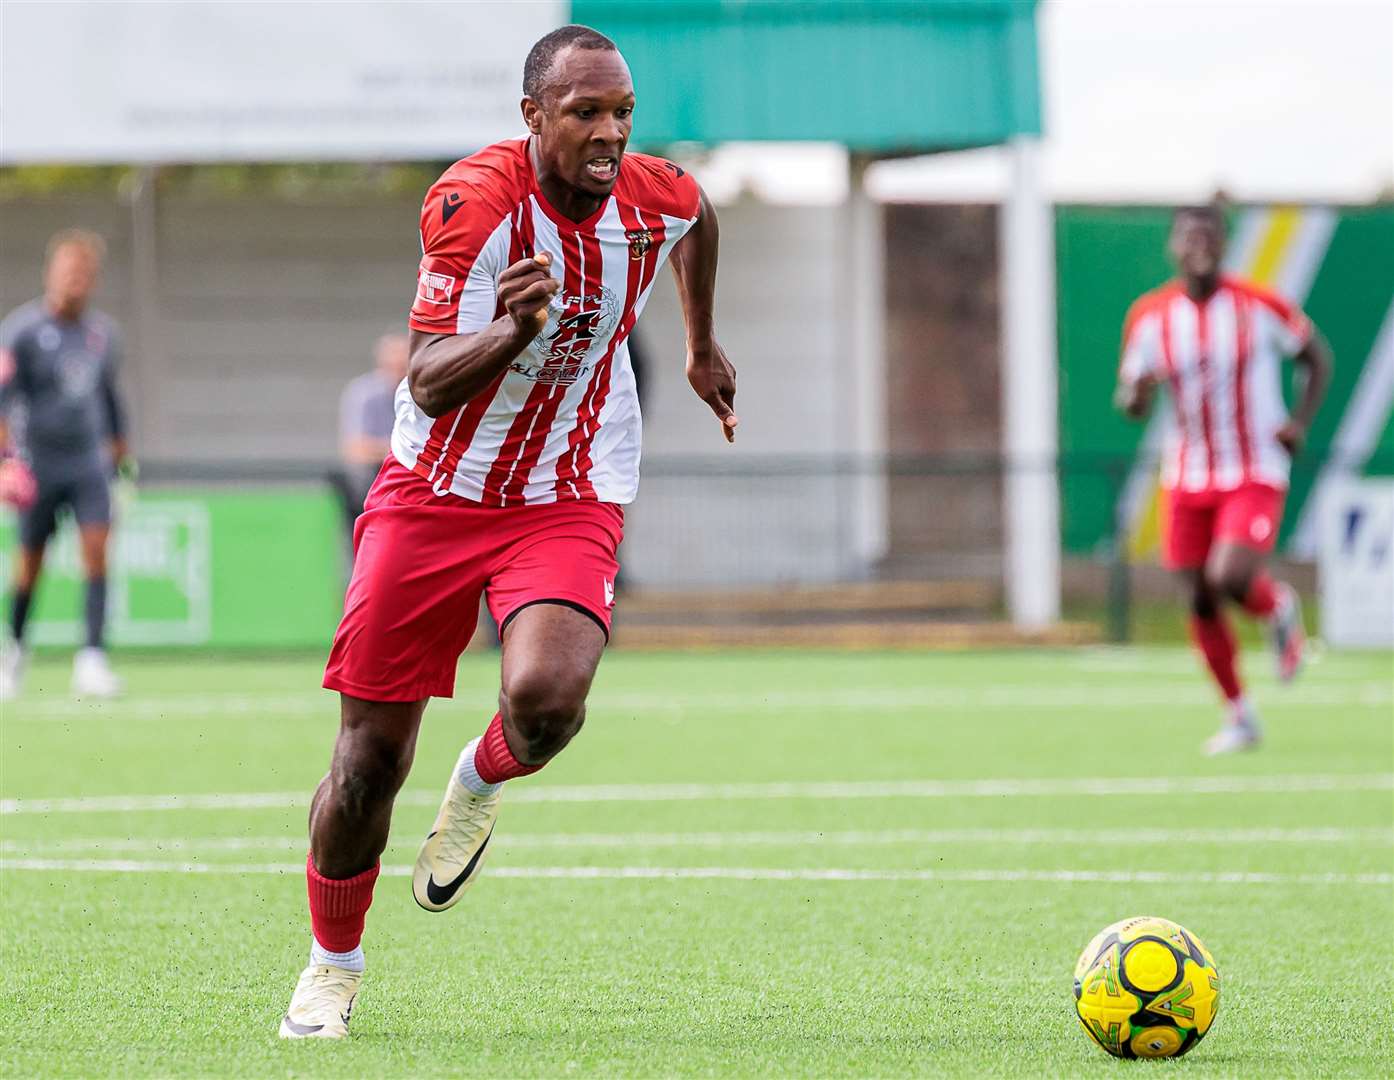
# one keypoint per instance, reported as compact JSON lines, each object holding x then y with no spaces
{"x":78,"y":373}
{"x":640,"y":241}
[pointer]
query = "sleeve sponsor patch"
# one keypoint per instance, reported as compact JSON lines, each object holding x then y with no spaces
{"x":432,"y":288}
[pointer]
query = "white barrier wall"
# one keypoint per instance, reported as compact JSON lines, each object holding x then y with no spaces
{"x":782,"y":316}
{"x":1355,"y":563}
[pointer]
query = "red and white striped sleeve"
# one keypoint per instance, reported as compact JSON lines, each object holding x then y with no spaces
{"x":657,"y":184}
{"x":1142,"y":343}
{"x":464,"y":248}
{"x":683,"y":195}
{"x":1286,"y":325}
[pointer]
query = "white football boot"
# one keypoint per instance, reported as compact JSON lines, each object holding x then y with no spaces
{"x":1285,"y":632}
{"x":1241,"y":731}
{"x":322,"y":1003}
{"x":452,"y":855}
{"x":12,"y":661}
{"x":92,"y":675}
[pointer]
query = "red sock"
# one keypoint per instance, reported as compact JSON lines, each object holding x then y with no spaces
{"x":1262,"y":600}
{"x":1215,"y":640}
{"x":338,"y":908}
{"x":493,"y":760}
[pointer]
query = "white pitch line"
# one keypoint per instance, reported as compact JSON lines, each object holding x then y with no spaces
{"x":1040,"y":697}
{"x":272,"y":800}
{"x":1373,"y":834}
{"x":877,"y":837}
{"x":833,"y":789}
{"x":732,"y":873}
{"x":960,"y":789}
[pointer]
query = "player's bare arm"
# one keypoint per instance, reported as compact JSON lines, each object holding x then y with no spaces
{"x":708,"y":370}
{"x":447,"y":370}
{"x":1314,"y":376}
{"x":14,"y":481}
{"x":1134,"y":397}
{"x":8,"y":390}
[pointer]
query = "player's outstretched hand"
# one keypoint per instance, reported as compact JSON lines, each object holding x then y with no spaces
{"x":714,"y":379}
{"x":525,"y":290}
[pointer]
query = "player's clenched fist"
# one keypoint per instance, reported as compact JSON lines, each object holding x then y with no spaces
{"x":525,"y":290}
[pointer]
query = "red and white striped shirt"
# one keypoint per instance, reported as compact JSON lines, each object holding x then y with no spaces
{"x":1222,"y":360}
{"x":562,"y":422}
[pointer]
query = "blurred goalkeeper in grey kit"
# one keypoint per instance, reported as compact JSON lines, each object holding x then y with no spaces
{"x":62,"y":433}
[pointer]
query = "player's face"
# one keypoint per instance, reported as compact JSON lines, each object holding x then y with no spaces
{"x":583,"y":123}
{"x":71,"y":277}
{"x":1197,"y":245}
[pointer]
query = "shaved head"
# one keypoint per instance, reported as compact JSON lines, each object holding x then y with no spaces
{"x":542,"y":57}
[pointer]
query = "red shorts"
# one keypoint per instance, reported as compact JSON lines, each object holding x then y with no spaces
{"x":1194,"y":520}
{"x":421,"y":562}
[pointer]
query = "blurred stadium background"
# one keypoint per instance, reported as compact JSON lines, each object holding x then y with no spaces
{"x":933,"y":216}
{"x":845,"y":856}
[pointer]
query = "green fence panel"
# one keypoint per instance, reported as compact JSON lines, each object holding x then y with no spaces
{"x":1106,"y":258}
{"x":1349,"y":301}
{"x":204,"y":567}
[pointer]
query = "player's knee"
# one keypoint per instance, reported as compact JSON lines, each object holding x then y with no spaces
{"x":1204,"y":603}
{"x":546,"y":707}
{"x":369,"y":771}
{"x":27,"y":570}
{"x":1230,"y":581}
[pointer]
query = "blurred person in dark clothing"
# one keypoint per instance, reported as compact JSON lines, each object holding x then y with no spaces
{"x":62,"y":435}
{"x":366,"y":414}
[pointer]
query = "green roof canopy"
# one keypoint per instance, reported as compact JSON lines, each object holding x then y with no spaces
{"x":880,"y":77}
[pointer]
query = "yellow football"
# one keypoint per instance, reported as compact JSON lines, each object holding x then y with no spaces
{"x":1145,"y":988}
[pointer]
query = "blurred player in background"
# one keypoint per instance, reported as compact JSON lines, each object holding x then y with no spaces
{"x":515,"y":447}
{"x":366,"y":415}
{"x":62,"y":432}
{"x":1218,"y":342}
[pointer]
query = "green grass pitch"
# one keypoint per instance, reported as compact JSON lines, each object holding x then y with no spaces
{"x":747,"y":864}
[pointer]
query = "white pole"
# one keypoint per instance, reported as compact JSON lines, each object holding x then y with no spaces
{"x":144,"y":361}
{"x":866,"y":287}
{"x":1031,"y":509}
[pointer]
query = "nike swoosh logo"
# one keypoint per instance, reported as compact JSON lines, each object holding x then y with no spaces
{"x":301,"y":1029}
{"x":440,"y":894}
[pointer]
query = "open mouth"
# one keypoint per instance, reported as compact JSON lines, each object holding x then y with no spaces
{"x":603,"y":168}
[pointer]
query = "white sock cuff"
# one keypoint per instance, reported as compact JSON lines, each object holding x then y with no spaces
{"x":469,"y":776}
{"x":350,"y":961}
{"x":1242,"y":714}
